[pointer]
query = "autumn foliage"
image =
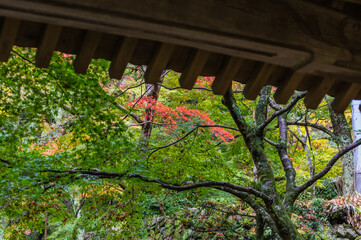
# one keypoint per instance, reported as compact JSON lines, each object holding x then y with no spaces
{"x":171,"y":117}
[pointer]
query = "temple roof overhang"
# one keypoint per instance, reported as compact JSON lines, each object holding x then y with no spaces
{"x":312,"y":46}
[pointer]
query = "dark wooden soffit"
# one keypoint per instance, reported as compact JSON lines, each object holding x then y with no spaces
{"x":290,"y":44}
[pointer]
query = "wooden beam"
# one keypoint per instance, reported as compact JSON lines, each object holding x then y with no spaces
{"x":353,"y":1}
{"x":86,"y":53}
{"x":319,"y":89}
{"x":47,"y":45}
{"x":288,"y":86}
{"x":121,"y":57}
{"x":254,"y":86}
{"x":8,"y":34}
{"x":158,"y":62}
{"x":226,"y":75}
{"x":194,"y":67}
{"x":343,"y":98}
{"x":189,"y":29}
{"x":248,"y":29}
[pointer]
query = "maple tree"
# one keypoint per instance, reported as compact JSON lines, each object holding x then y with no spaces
{"x":83,"y":155}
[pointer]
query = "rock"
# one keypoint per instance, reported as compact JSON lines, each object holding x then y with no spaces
{"x":350,"y":234}
{"x":340,"y":231}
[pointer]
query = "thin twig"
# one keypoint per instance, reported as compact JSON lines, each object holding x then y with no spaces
{"x":155,"y":149}
{"x":219,"y":143}
{"x":119,"y":94}
{"x":135,"y":104}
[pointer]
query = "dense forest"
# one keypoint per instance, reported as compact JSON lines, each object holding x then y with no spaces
{"x":90,"y":157}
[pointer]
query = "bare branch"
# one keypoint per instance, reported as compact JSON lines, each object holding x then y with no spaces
{"x":273,"y":104}
{"x":282,"y":152}
{"x":328,"y":167}
{"x":133,"y":115}
{"x":231,"y":103}
{"x":163,"y":184}
{"x":88,"y":172}
{"x":155,"y":149}
{"x":136,"y":102}
{"x":125,"y":90}
{"x":293,"y":102}
{"x":270,"y":142}
{"x":203,"y":184}
{"x":196,"y":88}
{"x":313,"y":125}
{"x":296,"y":136}
{"x":154,"y":123}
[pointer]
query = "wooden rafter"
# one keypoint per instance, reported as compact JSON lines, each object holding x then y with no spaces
{"x":158,"y":62}
{"x":121,"y":57}
{"x":254,"y":86}
{"x":47,"y":45}
{"x":290,"y":44}
{"x":315,"y":95}
{"x":289,"y":84}
{"x":7,"y":37}
{"x":226,"y":75}
{"x":86,"y":52}
{"x":194,"y":67}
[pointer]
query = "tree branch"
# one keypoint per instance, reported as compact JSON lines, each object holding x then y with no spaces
{"x":296,"y":136}
{"x":155,"y":149}
{"x":270,"y":142}
{"x":273,"y":104}
{"x":262,"y":105}
{"x":328,"y":167}
{"x":136,"y":102}
{"x":293,"y":102}
{"x":179,"y":188}
{"x":163,"y":184}
{"x":282,"y":152}
{"x":125,"y":90}
{"x":88,"y":172}
{"x":196,"y":88}
{"x":253,"y":204}
{"x":230,"y":102}
{"x":133,"y":115}
{"x":313,"y":125}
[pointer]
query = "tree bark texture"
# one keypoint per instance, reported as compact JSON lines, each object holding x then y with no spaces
{"x":343,"y":138}
{"x":253,"y":138}
{"x":147,"y":127}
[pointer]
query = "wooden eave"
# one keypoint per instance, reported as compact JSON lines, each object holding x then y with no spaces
{"x":291,"y":44}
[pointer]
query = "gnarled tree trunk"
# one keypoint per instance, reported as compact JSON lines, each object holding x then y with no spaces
{"x":253,"y":136}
